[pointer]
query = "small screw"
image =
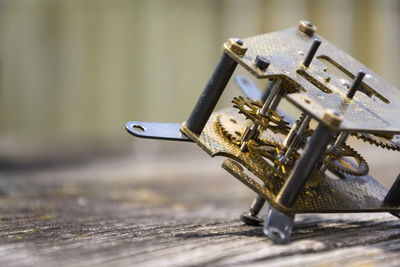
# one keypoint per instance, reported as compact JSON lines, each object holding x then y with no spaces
{"x":307,"y":27}
{"x":262,"y":62}
{"x":239,"y":41}
{"x":236,"y":46}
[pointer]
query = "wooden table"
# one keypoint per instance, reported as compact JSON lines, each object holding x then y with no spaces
{"x":176,"y":209}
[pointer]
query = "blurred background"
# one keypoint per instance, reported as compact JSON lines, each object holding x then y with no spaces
{"x":72,"y":72}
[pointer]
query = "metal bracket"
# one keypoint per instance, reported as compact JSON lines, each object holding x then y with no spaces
{"x":278,"y":225}
{"x":156,"y":130}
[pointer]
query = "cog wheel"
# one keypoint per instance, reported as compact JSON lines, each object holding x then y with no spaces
{"x":345,"y":160}
{"x":266,"y":157}
{"x":267,"y":152}
{"x":250,"y":109}
{"x":385,"y":141}
{"x":232,"y":126}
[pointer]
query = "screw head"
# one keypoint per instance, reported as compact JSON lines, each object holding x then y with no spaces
{"x":307,"y":27}
{"x":262,"y":62}
{"x":332,"y":118}
{"x":236,"y":46}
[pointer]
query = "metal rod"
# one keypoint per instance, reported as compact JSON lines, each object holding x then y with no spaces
{"x":276,"y":100}
{"x":267,"y":91}
{"x":257,"y":205}
{"x":311,"y":53}
{"x":340,"y":140}
{"x":274,"y":91}
{"x":305,"y":166}
{"x":393,"y":196}
{"x":250,"y":133}
{"x":211,"y":94}
{"x":293,"y":136}
{"x":356,"y":84}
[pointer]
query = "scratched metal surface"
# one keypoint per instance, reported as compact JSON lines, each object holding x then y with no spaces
{"x":353,"y":194}
{"x":287,"y":49}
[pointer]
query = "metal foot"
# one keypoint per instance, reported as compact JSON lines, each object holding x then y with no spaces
{"x":278,"y":226}
{"x":251,"y":220}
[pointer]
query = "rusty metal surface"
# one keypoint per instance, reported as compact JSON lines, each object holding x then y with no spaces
{"x":324,"y":84}
{"x":352,"y":194}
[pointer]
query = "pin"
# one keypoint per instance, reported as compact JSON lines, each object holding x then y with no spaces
{"x":311,"y":53}
{"x":356,"y":84}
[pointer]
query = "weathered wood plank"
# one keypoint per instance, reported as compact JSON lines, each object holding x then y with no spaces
{"x":144,"y":213}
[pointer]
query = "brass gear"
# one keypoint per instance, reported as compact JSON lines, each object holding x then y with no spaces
{"x":266,"y":152}
{"x":250,"y":108}
{"x":265,"y":156}
{"x":340,"y":164}
{"x":385,"y":141}
{"x":232,"y":126}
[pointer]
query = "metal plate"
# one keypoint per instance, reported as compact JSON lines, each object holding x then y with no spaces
{"x":353,"y":194}
{"x":156,"y":130}
{"x":287,"y":49}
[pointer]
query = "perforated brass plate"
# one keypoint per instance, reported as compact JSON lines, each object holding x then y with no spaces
{"x":352,"y":194}
{"x":374,"y":109}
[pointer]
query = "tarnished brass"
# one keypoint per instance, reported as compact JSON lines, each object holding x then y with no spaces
{"x":236,"y":47}
{"x":372,"y":115}
{"x":307,"y":27}
{"x":374,"y":108}
{"x":330,"y":194}
{"x":281,"y":156}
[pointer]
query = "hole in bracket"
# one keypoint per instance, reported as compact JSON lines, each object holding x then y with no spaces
{"x":277,"y":233}
{"x":138,"y":128}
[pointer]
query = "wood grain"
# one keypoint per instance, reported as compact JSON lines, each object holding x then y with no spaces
{"x":179,"y":211}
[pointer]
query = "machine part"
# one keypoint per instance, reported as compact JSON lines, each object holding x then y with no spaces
{"x":356,"y":84}
{"x":250,"y":90}
{"x":251,"y":218}
{"x":233,"y":127}
{"x":391,"y":142}
{"x":274,"y":91}
{"x":307,"y":27}
{"x":346,"y":160}
{"x":311,"y":53}
{"x":250,"y":109}
{"x":156,"y":130}
{"x":278,"y":225}
{"x":286,"y":50}
{"x":266,"y":156}
{"x":262,"y":62}
{"x":282,"y":153}
{"x":297,"y":136}
{"x":250,"y":133}
{"x":236,"y":46}
{"x":212,"y":92}
{"x":352,"y":194}
{"x":308,"y":162}
{"x":280,"y":158}
{"x":267,"y":91}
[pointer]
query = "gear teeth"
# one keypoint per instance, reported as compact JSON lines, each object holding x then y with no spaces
{"x":362,"y":168}
{"x":249,"y":108}
{"x":378,"y":141}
